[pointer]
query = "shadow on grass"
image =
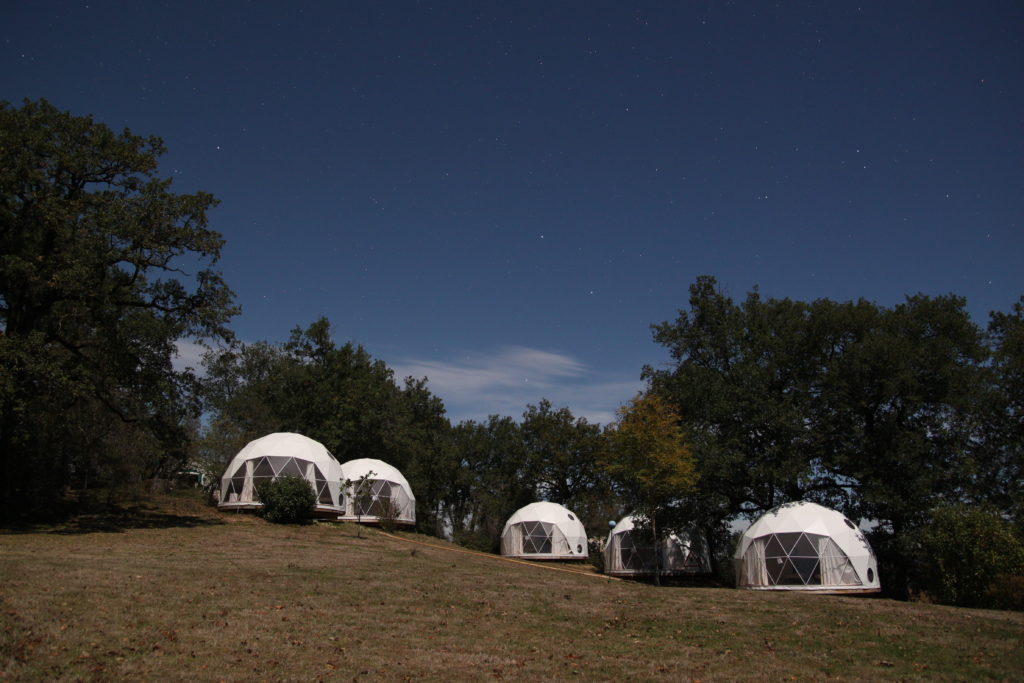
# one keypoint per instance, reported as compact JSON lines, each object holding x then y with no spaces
{"x":116,"y":519}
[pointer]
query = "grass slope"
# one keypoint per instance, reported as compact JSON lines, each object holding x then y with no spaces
{"x":178,"y":591}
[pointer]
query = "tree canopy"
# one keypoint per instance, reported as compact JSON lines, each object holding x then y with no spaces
{"x":884,"y":413}
{"x":338,"y":395}
{"x":102,"y":269}
{"x":649,"y":461}
{"x":891,"y":414}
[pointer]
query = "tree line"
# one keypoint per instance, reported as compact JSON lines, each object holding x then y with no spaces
{"x":885,"y":413}
{"x":890,"y":414}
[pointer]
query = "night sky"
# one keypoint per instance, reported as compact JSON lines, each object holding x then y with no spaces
{"x":504,"y":196}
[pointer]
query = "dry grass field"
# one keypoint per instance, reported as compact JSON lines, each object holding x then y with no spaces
{"x":173,"y":590}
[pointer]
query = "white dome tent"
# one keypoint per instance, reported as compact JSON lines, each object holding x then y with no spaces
{"x":279,"y":455}
{"x":544,"y":531}
{"x":806,"y":547}
{"x":388,"y":492}
{"x":627,"y":554}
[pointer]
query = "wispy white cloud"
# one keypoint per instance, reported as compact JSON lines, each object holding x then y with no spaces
{"x":504,"y":381}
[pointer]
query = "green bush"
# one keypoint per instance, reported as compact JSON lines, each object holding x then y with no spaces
{"x":1006,"y":592}
{"x":288,"y":500}
{"x":388,"y":514}
{"x":969,"y":555}
{"x":595,"y":553}
{"x":475,"y":540}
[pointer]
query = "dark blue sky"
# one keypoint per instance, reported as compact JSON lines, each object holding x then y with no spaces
{"x":504,"y":196}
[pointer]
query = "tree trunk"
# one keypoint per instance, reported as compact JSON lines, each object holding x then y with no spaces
{"x":657,"y":550}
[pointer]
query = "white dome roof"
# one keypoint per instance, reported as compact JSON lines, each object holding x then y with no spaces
{"x":566,"y":524}
{"x":622,"y":526}
{"x":545,"y":512}
{"x":795,"y":519}
{"x":628,"y":524}
{"x":354,"y":469}
{"x":286,"y":444}
{"x":809,"y":518}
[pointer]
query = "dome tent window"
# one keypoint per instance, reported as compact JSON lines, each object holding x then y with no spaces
{"x":536,"y":537}
{"x":379,"y":499}
{"x":269,"y":468}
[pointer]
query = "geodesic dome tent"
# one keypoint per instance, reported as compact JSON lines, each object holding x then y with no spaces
{"x":807,"y":547}
{"x":279,"y":455}
{"x":388,"y":493}
{"x":628,"y":553}
{"x":544,"y":531}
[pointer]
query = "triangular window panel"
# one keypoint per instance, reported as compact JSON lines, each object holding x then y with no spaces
{"x":369,"y":506}
{"x":849,"y":574}
{"x":773,"y":548}
{"x":788,"y":541}
{"x":692,"y":561}
{"x":789,"y":576}
{"x":277,"y":462}
{"x":291,"y":469}
{"x":324,"y":493}
{"x":527,"y":539}
{"x":804,"y":547}
{"x":807,"y":569}
{"x":775,"y":566}
{"x":261,"y":468}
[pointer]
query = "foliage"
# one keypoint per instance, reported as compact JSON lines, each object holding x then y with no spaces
{"x":1006,"y":592}
{"x":388,"y":513}
{"x":359,"y":492}
{"x":878,"y":412}
{"x":648,"y":456}
{"x":337,"y":395}
{"x":493,"y":480}
{"x":595,"y":552}
{"x":969,"y":554}
{"x":999,"y":461}
{"x":563,"y":456}
{"x":93,"y":296}
{"x":286,"y":500}
{"x":739,"y":380}
{"x":649,"y":461}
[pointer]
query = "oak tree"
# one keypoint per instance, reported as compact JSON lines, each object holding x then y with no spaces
{"x":102,"y":269}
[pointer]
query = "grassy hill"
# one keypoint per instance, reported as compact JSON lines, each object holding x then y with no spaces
{"x":172,"y":589}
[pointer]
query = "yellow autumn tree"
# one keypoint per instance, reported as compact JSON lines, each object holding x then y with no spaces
{"x":649,"y":460}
